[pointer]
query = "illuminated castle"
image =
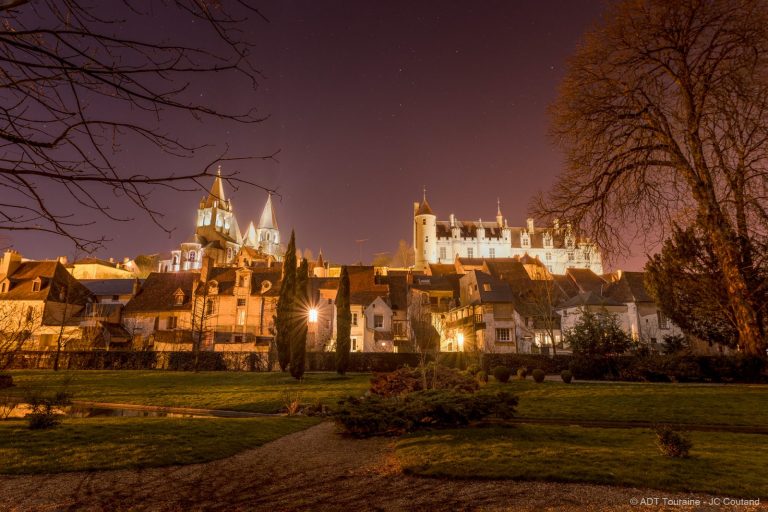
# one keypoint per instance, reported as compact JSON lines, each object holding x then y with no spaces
{"x":556,"y":246}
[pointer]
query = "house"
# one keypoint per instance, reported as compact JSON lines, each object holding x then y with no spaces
{"x":41,"y":302}
{"x":95,"y":268}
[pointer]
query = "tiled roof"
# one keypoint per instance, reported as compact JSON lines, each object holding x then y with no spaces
{"x":109,"y":286}
{"x":630,"y":287}
{"x":586,"y":280}
{"x":56,"y":284}
{"x":95,"y":261}
{"x":159,"y":289}
{"x":589,"y":299}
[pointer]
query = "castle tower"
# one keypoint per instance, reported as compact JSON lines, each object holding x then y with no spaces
{"x":267,"y":232}
{"x":424,"y":234}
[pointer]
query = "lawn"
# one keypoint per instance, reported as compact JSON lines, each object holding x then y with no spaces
{"x":116,"y":443}
{"x":255,"y":392}
{"x":720,"y":463}
{"x":732,"y":404}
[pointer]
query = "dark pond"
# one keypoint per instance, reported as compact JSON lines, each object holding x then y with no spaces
{"x":77,"y":411}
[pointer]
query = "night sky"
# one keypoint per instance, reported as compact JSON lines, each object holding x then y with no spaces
{"x":368,"y":103}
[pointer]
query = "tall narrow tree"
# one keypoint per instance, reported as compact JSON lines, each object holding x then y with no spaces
{"x":343,"y":323}
{"x":283,"y":322}
{"x":300,"y":317}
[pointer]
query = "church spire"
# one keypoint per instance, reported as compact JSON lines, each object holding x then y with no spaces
{"x":423,"y":208}
{"x":216,"y":194}
{"x":268,"y":218}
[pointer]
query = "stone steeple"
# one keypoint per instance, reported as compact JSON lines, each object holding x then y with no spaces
{"x":268,"y":218}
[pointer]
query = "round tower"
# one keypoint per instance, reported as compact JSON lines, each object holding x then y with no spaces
{"x":424,"y":234}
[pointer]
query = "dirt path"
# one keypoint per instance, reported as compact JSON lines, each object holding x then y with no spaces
{"x":311,"y":470}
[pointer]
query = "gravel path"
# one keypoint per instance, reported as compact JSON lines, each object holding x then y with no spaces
{"x":311,"y":470}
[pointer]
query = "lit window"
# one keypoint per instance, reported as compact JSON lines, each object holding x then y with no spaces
{"x":548,"y":256}
{"x":240,"y":317}
{"x":192,"y":255}
{"x":442,"y":253}
{"x":179,"y":298}
{"x":470,"y":252}
{"x":502,"y":335}
{"x":486,"y":287}
{"x":354,"y":319}
{"x":354,"y":344}
{"x":313,"y":315}
{"x":492,"y":252}
{"x":36,"y":286}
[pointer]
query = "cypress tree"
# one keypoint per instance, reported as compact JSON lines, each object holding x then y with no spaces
{"x":343,"y":323}
{"x":300,"y":317}
{"x":283,"y":322}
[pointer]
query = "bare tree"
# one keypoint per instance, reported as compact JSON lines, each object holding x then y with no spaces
{"x":543,"y":297}
{"x":83,"y":80}
{"x":18,"y":324}
{"x":663,"y":116}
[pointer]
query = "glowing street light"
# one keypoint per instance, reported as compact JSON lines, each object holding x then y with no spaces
{"x":460,"y":341}
{"x":313,"y":315}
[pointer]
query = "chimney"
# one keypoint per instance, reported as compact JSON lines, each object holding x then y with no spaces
{"x":62,"y":259}
{"x":10,"y":262}
{"x":415,"y":208}
{"x":530,"y":225}
{"x":111,"y":260}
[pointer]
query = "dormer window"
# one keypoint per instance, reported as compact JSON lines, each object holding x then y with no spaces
{"x":213,"y":287}
{"x":241,"y":281}
{"x":36,"y":285}
{"x":547,"y":240}
{"x":192,"y":255}
{"x":525,"y":241}
{"x":4,"y":286}
{"x":178,"y":298}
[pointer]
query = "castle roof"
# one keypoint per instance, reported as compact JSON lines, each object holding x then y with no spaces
{"x":216,"y":194}
{"x":268,"y":218}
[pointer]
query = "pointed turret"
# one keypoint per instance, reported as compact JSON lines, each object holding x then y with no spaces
{"x":268,"y":218}
{"x":499,"y":216}
{"x":249,"y":237}
{"x":423,"y":208}
{"x":216,"y":195}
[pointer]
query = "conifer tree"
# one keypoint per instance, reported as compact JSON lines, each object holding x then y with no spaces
{"x":343,"y":323}
{"x":299,"y":321}
{"x":283,"y":322}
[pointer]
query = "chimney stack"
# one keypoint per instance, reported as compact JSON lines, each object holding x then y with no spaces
{"x":62,"y":259}
{"x":10,"y":262}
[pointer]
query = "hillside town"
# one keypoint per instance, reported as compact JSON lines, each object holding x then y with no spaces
{"x":483,"y":286}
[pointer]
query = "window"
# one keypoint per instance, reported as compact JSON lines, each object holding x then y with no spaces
{"x":354,"y":319}
{"x":354,"y":344}
{"x":570,"y":255}
{"x":525,"y":241}
{"x":170,"y":322}
{"x":179,"y":298}
{"x":192,"y":255}
{"x":548,"y":256}
{"x":219,"y":221}
{"x":240,"y":317}
{"x":502,"y":334}
{"x":208,"y":217}
{"x":36,"y":285}
{"x":663,"y":322}
{"x":492,"y":252}
{"x":241,"y":283}
{"x":426,"y":238}
{"x":240,"y":303}
{"x":30,"y":313}
{"x":470,"y":252}
{"x":423,"y":222}
{"x":486,"y":287}
{"x":4,"y":288}
{"x":209,"y":308}
{"x":378,"y":321}
{"x":330,"y":301}
{"x":443,"y":253}
{"x":239,"y":338}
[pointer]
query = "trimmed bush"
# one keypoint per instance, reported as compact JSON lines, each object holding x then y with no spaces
{"x":380,"y":416}
{"x":538,"y":375}
{"x":671,"y":443}
{"x":502,"y":373}
{"x":567,"y":376}
{"x":6,"y":381}
{"x":473,"y":369}
{"x":408,"y":380}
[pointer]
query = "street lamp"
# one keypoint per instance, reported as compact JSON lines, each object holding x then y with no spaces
{"x":460,"y":341}
{"x":313,"y":315}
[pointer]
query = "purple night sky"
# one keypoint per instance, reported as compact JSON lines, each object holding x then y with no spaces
{"x":368,"y":102}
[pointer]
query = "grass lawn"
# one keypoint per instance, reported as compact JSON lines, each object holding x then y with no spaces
{"x":255,"y":392}
{"x":116,"y":443}
{"x":732,"y":404}
{"x":720,"y":463}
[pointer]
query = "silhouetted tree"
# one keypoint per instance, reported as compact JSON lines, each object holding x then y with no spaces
{"x":343,"y":323}
{"x":85,"y":80}
{"x":300,"y":317}
{"x":285,"y":304}
{"x":663,"y":115}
